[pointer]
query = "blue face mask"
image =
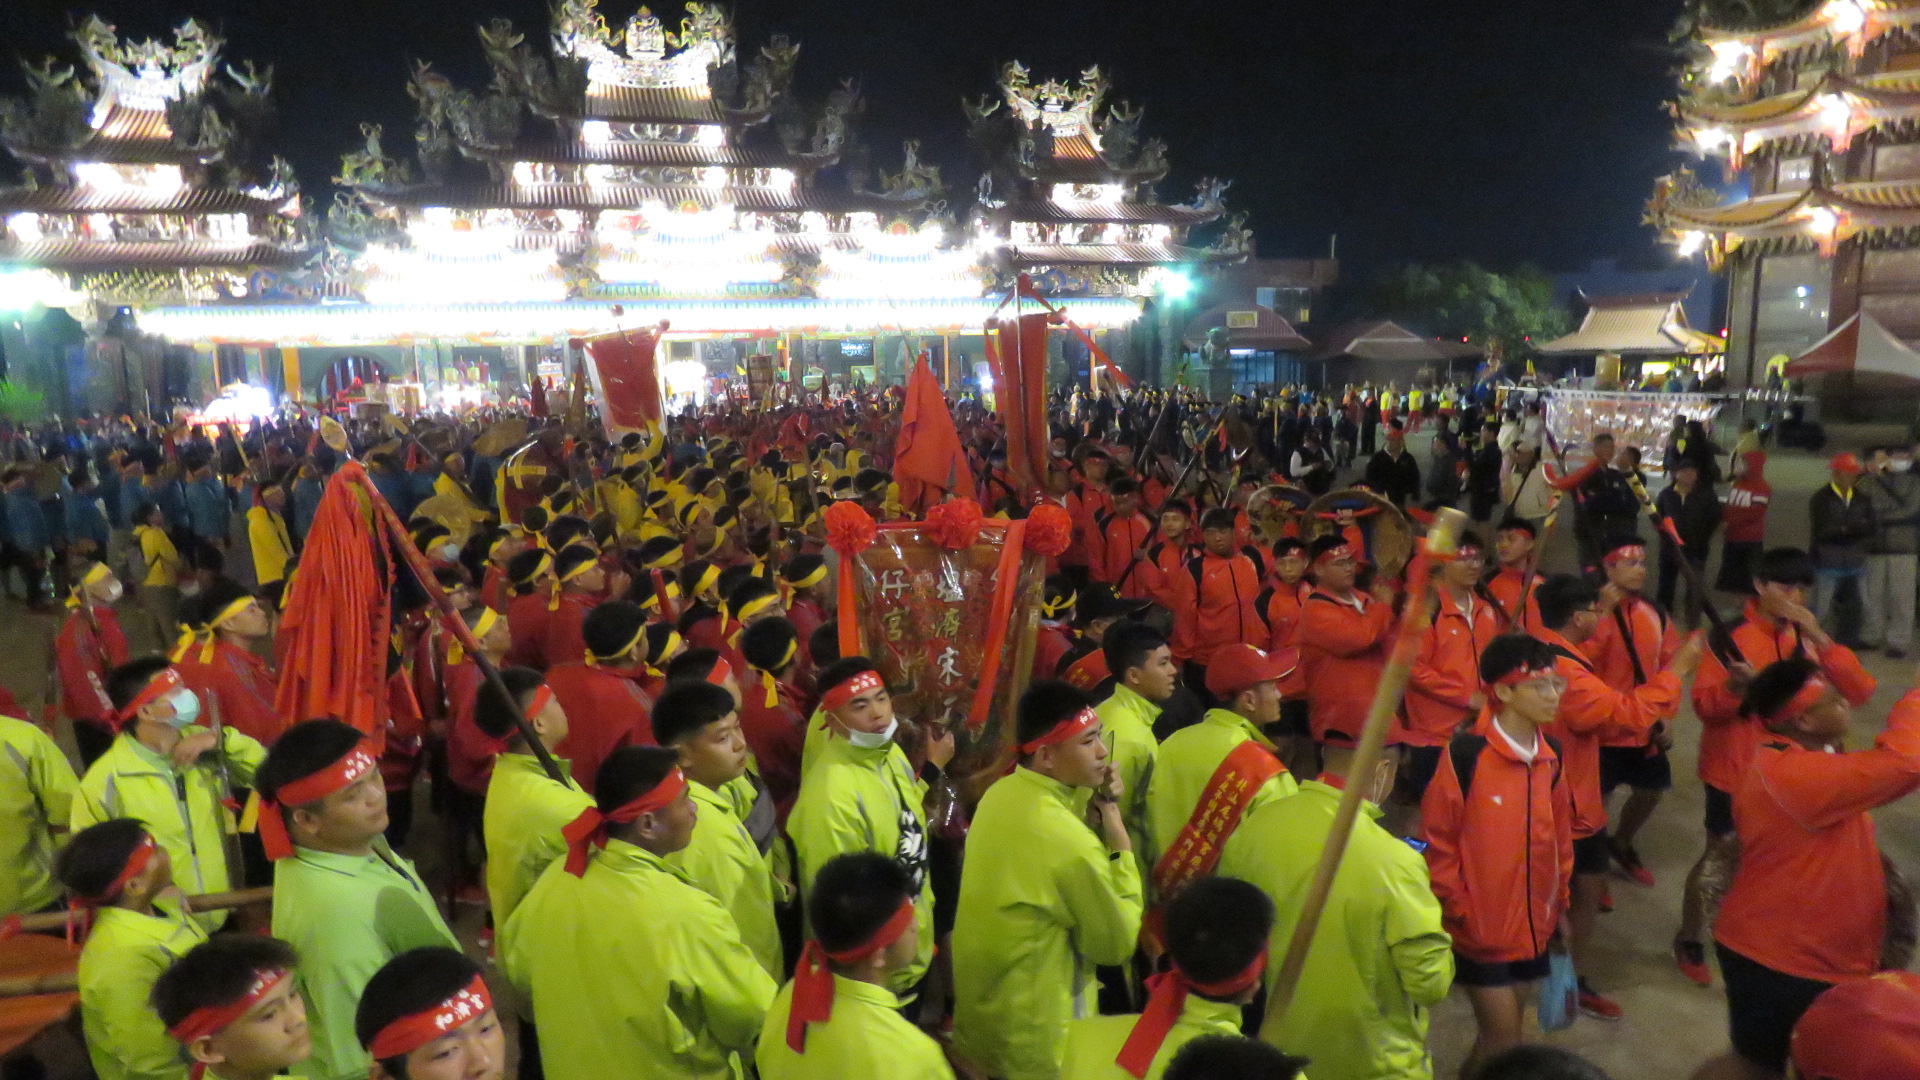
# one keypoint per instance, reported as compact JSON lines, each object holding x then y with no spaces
{"x":186,"y":708}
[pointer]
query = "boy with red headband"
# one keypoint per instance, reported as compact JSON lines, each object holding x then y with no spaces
{"x":525,"y":808}
{"x":606,"y":707}
{"x":428,"y":1015}
{"x":36,"y":797}
{"x":632,"y":969}
{"x":1043,"y":900}
{"x":1343,"y":642}
{"x":836,"y":1018}
{"x":341,"y":897}
{"x":164,"y":768}
{"x":1808,"y":907}
{"x":1207,"y":777}
{"x":231,"y":1004}
{"x":701,"y":723}
{"x":1513,"y":546}
{"x":114,"y":872}
{"x":860,"y":794}
{"x":1498,"y":828}
{"x":1217,"y":938}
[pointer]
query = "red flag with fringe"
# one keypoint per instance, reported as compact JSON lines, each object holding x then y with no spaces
{"x":629,"y":379}
{"x":928,"y":458}
{"x":334,"y":628}
{"x":1018,"y":355}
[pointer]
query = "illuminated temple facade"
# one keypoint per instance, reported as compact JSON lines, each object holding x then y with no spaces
{"x":606,"y":177}
{"x":1810,"y":197}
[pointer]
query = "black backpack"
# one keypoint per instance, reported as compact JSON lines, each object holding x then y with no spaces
{"x":1464,"y":748}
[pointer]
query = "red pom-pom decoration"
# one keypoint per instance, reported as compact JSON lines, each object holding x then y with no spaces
{"x":955,"y":524}
{"x":1049,"y":530}
{"x":850,"y":529}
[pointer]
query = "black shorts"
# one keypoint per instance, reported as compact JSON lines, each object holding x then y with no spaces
{"x":1590,"y":854}
{"x":1469,"y":972}
{"x":1719,"y":812}
{"x":1634,"y":767}
{"x":1762,"y":1007}
{"x":1418,"y":765}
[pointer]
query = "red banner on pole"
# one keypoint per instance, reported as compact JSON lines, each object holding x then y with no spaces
{"x":629,"y":377}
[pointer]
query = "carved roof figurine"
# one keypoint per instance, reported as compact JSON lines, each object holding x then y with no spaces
{"x":153,"y":163}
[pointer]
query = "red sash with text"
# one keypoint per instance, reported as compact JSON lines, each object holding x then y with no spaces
{"x":1195,"y":852}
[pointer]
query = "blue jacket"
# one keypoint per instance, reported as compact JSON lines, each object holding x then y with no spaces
{"x":172,"y":497}
{"x":207,"y":508}
{"x":26,"y":525}
{"x":397,"y":487}
{"x":306,"y":502}
{"x":86,"y":519}
{"x":131,"y":496}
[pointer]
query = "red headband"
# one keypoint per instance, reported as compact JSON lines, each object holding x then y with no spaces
{"x":1808,"y":696}
{"x":813,"y":979}
{"x":590,"y":829}
{"x":166,"y":682}
{"x":309,"y":789}
{"x":852,"y":688}
{"x":1062,"y":731}
{"x":1521,"y":674}
{"x":721,"y":672}
{"x":1167,"y":997}
{"x":409,"y":1033}
{"x":542,"y":697}
{"x":80,"y":908}
{"x":1333,"y":554}
{"x":213,"y":1019}
{"x":1624,"y":551}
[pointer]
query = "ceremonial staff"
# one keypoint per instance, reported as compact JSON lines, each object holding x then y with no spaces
{"x":67,"y":981}
{"x":1153,"y":529}
{"x":1440,"y":546}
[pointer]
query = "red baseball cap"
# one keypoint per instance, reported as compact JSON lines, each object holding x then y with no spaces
{"x":1845,"y":463}
{"x":1233,"y":668}
{"x":1862,"y":1029}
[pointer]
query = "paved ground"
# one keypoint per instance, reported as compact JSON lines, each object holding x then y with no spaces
{"x":1671,"y":1025}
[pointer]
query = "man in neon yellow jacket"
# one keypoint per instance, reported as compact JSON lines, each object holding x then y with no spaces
{"x":1144,"y":677}
{"x":37,"y":787}
{"x":1248,"y":681}
{"x":164,"y":768}
{"x":633,"y":970}
{"x":861,"y":795}
{"x":1216,"y":934}
{"x":1044,"y":899}
{"x":1379,"y":959}
{"x":525,"y":808}
{"x":836,"y":1018}
{"x":117,"y":870}
{"x":700,"y":722}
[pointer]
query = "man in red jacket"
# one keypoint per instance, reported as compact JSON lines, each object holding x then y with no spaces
{"x":1777,"y":625}
{"x":1343,"y":643}
{"x":770,"y":708}
{"x":1634,"y":640}
{"x":1808,"y":907}
{"x":1213,"y":599}
{"x":1514,"y":544}
{"x":220,"y":663}
{"x":1443,"y":690}
{"x":1122,"y":537}
{"x":90,"y":644}
{"x":605,"y":706}
{"x":532,"y":605}
{"x":1170,"y":552}
{"x":1592,"y":710}
{"x":583,"y":584}
{"x":1498,"y":827}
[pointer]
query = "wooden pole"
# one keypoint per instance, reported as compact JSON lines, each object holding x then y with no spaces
{"x":222,"y":901}
{"x":1439,"y":546}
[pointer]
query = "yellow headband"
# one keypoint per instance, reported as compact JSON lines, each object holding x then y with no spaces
{"x":754,"y":607}
{"x":544,"y":564}
{"x":229,"y":612}
{"x":482,"y":626}
{"x":95,"y":574}
{"x":708,"y":578}
{"x":594,"y":659}
{"x":668,"y":559}
{"x":818,"y":575}
{"x":1060,"y":605}
{"x":673,"y":642}
{"x":580,"y":569}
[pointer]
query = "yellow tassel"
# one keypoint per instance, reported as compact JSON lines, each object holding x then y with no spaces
{"x":772,"y":688}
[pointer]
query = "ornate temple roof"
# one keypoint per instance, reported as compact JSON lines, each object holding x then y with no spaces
{"x":633,"y":196}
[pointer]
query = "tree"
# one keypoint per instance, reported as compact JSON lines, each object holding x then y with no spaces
{"x":1505,"y":314}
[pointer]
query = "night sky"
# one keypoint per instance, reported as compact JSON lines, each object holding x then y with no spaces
{"x":1497,"y":130}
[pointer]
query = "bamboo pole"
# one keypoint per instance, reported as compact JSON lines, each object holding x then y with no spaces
{"x":221,"y":901}
{"x":1439,"y":546}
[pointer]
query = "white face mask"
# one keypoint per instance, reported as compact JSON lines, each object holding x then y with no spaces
{"x":450,"y":552}
{"x":114,"y":592}
{"x":873,"y":740}
{"x":189,"y":588}
{"x":1901,"y":464}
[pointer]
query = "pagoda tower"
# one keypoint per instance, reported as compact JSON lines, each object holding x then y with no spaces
{"x":642,"y":163}
{"x":1067,"y":190}
{"x":1812,"y":200}
{"x":143,"y":174}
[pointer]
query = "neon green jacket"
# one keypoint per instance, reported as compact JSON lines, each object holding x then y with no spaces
{"x":854,"y":800}
{"x":36,"y":796}
{"x":347,"y":915}
{"x":634,"y":972}
{"x":1042,"y":902}
{"x":1094,"y":1042}
{"x":865,"y":1037}
{"x":1379,"y":959}
{"x":124,"y":955}
{"x":525,"y":811}
{"x":722,"y":861}
{"x":181,"y":808}
{"x":1186,"y":762}
{"x":1131,"y":747}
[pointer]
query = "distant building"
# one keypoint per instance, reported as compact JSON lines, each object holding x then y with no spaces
{"x":1704,"y":291}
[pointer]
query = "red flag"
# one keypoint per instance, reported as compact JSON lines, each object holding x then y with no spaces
{"x":333,"y":632}
{"x":629,"y":379}
{"x":928,"y":459}
{"x":1019,"y":356}
{"x":537,"y":397}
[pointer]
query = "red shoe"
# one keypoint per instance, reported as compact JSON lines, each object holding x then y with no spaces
{"x":1691,"y":956}
{"x":1606,"y":899}
{"x":1598,"y":1006}
{"x":1629,"y":862}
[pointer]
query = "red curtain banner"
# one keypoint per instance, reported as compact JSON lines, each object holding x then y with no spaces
{"x":629,"y":379}
{"x":929,"y":460}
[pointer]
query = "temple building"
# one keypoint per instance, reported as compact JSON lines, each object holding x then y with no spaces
{"x":144,"y":180}
{"x":1813,"y":203}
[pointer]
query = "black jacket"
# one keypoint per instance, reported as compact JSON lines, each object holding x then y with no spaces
{"x":1395,"y":479}
{"x":1841,"y":529}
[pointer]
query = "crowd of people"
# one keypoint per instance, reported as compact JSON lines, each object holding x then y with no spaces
{"x":705,"y":845}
